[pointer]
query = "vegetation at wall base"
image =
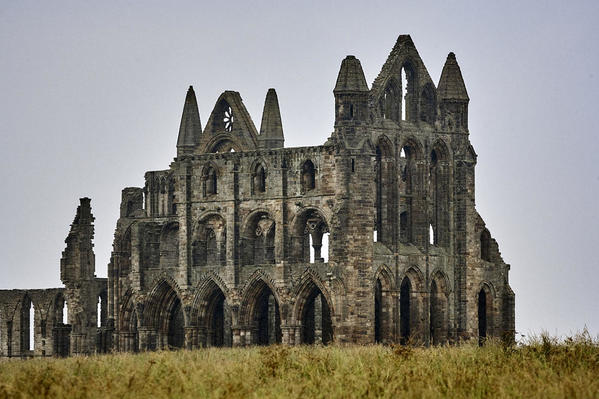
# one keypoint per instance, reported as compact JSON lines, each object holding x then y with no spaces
{"x":541,"y":367}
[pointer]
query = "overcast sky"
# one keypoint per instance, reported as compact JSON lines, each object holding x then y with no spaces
{"x":91,"y":95}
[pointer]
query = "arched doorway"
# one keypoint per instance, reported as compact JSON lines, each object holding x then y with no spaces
{"x":315,"y":316}
{"x":260,"y":310}
{"x":484,"y":301}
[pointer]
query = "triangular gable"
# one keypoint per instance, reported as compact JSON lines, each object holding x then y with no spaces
{"x":230,"y":127}
{"x":404,"y":52}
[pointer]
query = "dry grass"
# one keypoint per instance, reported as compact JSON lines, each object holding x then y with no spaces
{"x":542,"y":368}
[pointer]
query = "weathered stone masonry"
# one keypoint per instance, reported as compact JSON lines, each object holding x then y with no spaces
{"x":226,"y":247}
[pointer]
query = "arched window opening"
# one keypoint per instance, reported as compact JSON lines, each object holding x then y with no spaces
{"x":325,"y":247}
{"x":258,"y":240}
{"x":375,"y":235}
{"x":99,"y":313}
{"x":402,"y":153}
{"x":259,"y":180}
{"x":65,"y":313}
{"x":316,"y":319}
{"x":308,"y":176}
{"x":404,"y":94}
{"x":351,"y":111}
{"x":308,"y":235}
{"x":485,"y":244}
{"x":209,"y":242}
{"x":31,"y":331}
{"x":431,"y":235}
{"x":391,"y":101}
{"x":482,"y":317}
{"x":404,"y":310}
{"x":210,"y":181}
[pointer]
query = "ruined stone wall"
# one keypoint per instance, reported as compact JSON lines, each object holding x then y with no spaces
{"x":371,"y":237}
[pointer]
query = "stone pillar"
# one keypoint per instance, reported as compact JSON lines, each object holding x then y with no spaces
{"x":272,"y":320}
{"x":191,"y":338}
{"x":318,"y":319}
{"x":236,"y":332}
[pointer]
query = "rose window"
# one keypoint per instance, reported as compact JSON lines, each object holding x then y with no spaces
{"x":228,"y":119}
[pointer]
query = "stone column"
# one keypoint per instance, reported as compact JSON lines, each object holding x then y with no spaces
{"x":318,"y":319}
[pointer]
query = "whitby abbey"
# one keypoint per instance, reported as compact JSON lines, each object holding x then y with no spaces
{"x":370,"y":237}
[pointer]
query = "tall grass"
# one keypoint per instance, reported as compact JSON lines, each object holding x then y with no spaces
{"x":543,"y":367}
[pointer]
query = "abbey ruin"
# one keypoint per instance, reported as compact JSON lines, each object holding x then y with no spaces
{"x":372,"y":236}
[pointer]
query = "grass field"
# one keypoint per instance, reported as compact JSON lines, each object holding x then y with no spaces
{"x":542,"y":368}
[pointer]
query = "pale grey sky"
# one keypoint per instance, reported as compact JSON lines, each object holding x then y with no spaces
{"x":91,"y":94}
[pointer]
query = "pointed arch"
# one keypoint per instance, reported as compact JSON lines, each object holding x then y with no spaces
{"x":258,"y":238}
{"x":211,"y":312}
{"x":209,"y":241}
{"x":313,"y":310}
{"x":308,"y":225}
{"x":258,"y":176}
{"x":390,"y":102}
{"x":383,"y":305}
{"x":210,"y":177}
{"x":163,"y":311}
{"x":308,"y":176}
{"x":260,"y":311}
{"x":410,"y":306}
{"x":485,"y":310}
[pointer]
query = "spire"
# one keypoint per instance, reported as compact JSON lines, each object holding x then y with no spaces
{"x":351,"y":76}
{"x":271,"y":129}
{"x":451,"y":84}
{"x":191,"y":127}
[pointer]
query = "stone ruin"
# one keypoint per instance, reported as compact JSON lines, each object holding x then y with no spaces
{"x":371,"y":237}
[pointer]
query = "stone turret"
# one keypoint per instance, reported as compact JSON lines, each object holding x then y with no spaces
{"x":271,"y":129}
{"x":191,"y":127}
{"x":452,"y":96}
{"x":351,"y":92}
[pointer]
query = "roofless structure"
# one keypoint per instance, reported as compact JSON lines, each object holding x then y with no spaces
{"x":372,"y":236}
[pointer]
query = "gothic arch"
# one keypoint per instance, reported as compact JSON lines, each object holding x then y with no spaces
{"x":485,"y":301}
{"x":313,"y":310}
{"x":309,"y":224}
{"x":383,"y":305}
{"x":259,"y":311}
{"x":259,"y":174}
{"x":164,"y":312}
{"x":212,"y":313}
{"x":258,"y":238}
{"x":411,"y":303}
{"x":308,"y":176}
{"x":209,"y":241}
{"x":210,"y":178}
{"x":205,"y":289}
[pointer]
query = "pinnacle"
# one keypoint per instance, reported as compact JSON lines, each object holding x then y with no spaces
{"x":351,"y":76}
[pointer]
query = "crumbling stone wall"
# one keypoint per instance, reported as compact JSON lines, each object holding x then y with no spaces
{"x":371,"y":237}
